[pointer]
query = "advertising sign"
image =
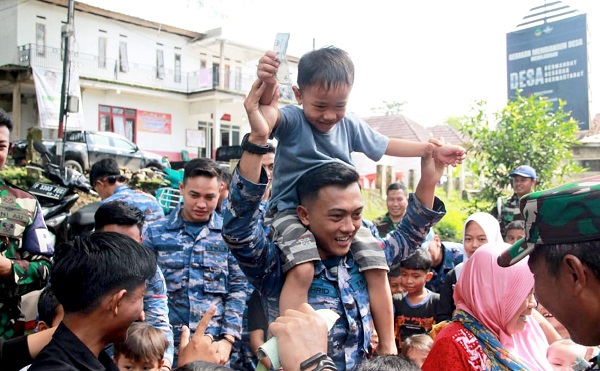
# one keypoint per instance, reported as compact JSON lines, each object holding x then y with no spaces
{"x":551,"y":60}
{"x":48,"y":85}
{"x":153,"y":122}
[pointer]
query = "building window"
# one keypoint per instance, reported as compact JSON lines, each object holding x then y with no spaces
{"x":40,"y":39}
{"x":123,"y":63}
{"x":160,"y":64}
{"x":102,"y":52}
{"x":207,"y":127}
{"x":238,"y":78}
{"x":227,"y":73}
{"x":230,"y":135}
{"x":215,"y":74}
{"x":177,"y":67}
{"x":118,"y":120}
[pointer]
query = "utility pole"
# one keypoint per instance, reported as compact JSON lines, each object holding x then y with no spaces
{"x":67,"y":32}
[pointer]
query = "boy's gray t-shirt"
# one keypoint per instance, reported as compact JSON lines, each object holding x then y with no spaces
{"x":301,"y":148}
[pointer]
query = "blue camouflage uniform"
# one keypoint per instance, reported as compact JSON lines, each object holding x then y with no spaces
{"x":337,"y":283}
{"x":452,"y":256}
{"x":143,"y":201}
{"x":200,"y":273}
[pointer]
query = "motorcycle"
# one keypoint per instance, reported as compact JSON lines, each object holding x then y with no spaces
{"x":57,"y":199}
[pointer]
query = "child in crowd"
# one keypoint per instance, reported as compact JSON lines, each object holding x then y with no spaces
{"x":143,"y":349}
{"x":50,"y":311}
{"x":396,"y":282}
{"x":566,"y":355}
{"x":416,"y":312}
{"x":417,"y":347}
{"x":514,"y":231}
{"x":318,"y":133}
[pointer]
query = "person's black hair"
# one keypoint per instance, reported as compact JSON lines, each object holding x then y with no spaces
{"x":331,"y":174}
{"x":224,"y":175}
{"x":394,"y":271}
{"x":5,"y":120}
{"x":586,"y":251}
{"x":47,"y":305}
{"x":202,"y":366}
{"x":517,"y":224}
{"x":419,"y":260}
{"x":389,"y":363}
{"x":325,"y":68}
{"x":120,"y":213}
{"x":201,"y":167}
{"x":397,"y":186}
{"x":105,"y":167}
{"x":87,"y":269}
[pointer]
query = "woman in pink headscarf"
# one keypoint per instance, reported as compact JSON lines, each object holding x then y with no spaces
{"x":493,"y":328}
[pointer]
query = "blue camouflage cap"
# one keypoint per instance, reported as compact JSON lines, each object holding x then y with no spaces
{"x":524,"y":171}
{"x":566,"y":214}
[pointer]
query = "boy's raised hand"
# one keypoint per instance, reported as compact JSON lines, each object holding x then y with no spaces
{"x":267,"y":68}
{"x":262,"y":118}
{"x":447,"y":154}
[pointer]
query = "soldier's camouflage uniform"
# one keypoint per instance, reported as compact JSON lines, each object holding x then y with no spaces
{"x":200,"y":273}
{"x":143,"y":201}
{"x":337,"y":284}
{"x":384,"y":224}
{"x":509,"y":212}
{"x":24,"y":239}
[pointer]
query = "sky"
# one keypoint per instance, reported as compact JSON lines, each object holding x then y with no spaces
{"x":438,"y":56}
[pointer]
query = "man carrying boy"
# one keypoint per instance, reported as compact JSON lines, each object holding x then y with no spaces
{"x":199,"y":269}
{"x":562,"y":237}
{"x":415,"y":312}
{"x":100,"y":282}
{"x":25,"y":245}
{"x":523,"y":181}
{"x":319,"y":133}
{"x":331,"y":207}
{"x":122,"y":217}
{"x":396,"y":201}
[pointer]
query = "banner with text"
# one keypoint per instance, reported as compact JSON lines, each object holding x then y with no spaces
{"x":551,"y":60}
{"x":47,"y":90}
{"x":153,"y":122}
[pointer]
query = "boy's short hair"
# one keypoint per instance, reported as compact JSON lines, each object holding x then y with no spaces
{"x":418,"y":260}
{"x":326,"y":67}
{"x":47,"y":305}
{"x":389,"y":362}
{"x":120,"y":213}
{"x":202,"y":366}
{"x":517,"y":224}
{"x":201,"y":167}
{"x":5,"y":120}
{"x":422,"y":342}
{"x":88,"y":268}
{"x":331,"y":174}
{"x":394,"y":271}
{"x":144,"y":343}
{"x":104,"y":167}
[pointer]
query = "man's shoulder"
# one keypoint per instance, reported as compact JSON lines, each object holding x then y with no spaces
{"x":384,"y":219}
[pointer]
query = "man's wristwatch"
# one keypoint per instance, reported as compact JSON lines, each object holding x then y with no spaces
{"x":320,"y":361}
{"x":254,"y":148}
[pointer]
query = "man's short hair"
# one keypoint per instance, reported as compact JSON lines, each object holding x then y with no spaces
{"x":104,"y":167}
{"x":421,"y":342}
{"x":201,"y":167}
{"x":418,"y":260}
{"x":331,"y":174}
{"x":224,"y":175}
{"x":119,"y":213}
{"x":389,"y":362}
{"x":397,"y":186}
{"x":202,"y":366}
{"x":47,"y":305}
{"x":89,"y":268}
{"x":325,"y":68}
{"x":144,"y":343}
{"x":586,"y":251}
{"x":5,"y":120}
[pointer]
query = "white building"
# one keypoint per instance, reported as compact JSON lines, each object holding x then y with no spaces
{"x":166,"y":88}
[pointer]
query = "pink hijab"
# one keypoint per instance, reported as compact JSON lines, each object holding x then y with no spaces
{"x":493,"y":295}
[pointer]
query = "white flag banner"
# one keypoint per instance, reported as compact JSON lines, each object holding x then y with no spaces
{"x":47,"y":89}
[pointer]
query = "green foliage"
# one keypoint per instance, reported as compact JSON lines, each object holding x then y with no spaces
{"x":374,"y":204}
{"x":389,"y":108}
{"x":19,"y":176}
{"x":527,"y":131}
{"x":451,"y":226}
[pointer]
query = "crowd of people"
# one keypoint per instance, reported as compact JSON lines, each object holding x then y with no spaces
{"x":258,"y":252}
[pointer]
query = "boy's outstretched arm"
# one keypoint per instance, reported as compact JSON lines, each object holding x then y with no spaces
{"x":408,"y":148}
{"x":266,"y":71}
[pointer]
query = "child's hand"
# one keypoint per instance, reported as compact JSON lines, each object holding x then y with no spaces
{"x":262,"y":118}
{"x":447,"y":154}
{"x":267,"y":68}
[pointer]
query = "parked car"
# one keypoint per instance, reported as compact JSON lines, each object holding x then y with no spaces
{"x":84,"y":147}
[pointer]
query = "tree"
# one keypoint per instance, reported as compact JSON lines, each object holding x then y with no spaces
{"x":528,"y":131}
{"x":389,"y":108}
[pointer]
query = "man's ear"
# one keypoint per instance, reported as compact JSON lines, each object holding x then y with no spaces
{"x":181,"y":187}
{"x":114,"y":300}
{"x":574,"y":271}
{"x":303,"y":215}
{"x":297,"y":94}
{"x":42,"y":326}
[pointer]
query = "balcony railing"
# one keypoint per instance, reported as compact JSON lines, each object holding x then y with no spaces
{"x":143,"y":75}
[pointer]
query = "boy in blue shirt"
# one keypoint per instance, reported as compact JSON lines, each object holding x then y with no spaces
{"x":318,"y":133}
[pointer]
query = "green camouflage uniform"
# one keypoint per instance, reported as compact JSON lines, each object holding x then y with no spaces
{"x":24,"y":239}
{"x":509,"y":212}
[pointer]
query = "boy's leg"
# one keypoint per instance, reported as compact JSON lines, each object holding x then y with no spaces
{"x":369,"y":255}
{"x":298,"y":251}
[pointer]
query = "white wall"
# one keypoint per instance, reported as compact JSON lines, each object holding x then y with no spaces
{"x":8,"y":20}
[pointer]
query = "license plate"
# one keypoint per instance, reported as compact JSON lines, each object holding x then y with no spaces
{"x":48,"y":190}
